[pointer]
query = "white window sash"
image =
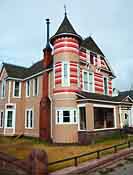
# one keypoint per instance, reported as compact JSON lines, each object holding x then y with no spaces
{"x":28,"y":88}
{"x":65,"y":81}
{"x":28,"y":119}
{"x":34,"y":87}
{"x":19,"y":89}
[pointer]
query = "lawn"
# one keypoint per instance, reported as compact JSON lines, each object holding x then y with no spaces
{"x":21,"y":148}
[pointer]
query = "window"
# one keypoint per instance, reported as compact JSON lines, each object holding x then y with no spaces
{"x":9,"y":118}
{"x":78,"y":75}
{"x":1,"y":119}
{"x":17,"y":89}
{"x":29,"y":118}
{"x":35,"y":87}
{"x":66,"y":116}
{"x":3,"y":88}
{"x":88,"y":82}
{"x":105,"y":86}
{"x":65,"y":74}
{"x":85,"y":81}
{"x":27,"y":88}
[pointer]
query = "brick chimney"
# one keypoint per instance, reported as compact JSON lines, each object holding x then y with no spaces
{"x":45,"y":103}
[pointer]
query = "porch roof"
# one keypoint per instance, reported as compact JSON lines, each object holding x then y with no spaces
{"x":104,"y":98}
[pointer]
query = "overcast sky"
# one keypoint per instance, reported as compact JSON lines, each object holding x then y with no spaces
{"x":110,"y":23}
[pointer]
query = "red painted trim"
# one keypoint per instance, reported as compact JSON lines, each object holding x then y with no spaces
{"x":83,"y":54}
{"x":60,"y":45}
{"x":73,"y":62}
{"x":69,"y":51}
{"x":98,"y":79}
{"x":73,"y":81}
{"x":98,"y":89}
{"x":58,"y":81}
{"x":73,"y":69}
{"x":66,"y":90}
{"x":57,"y":62}
{"x":66,"y":40}
{"x":100,"y":85}
{"x":74,"y":76}
{"x":57,"y":76}
{"x":57,"y":70}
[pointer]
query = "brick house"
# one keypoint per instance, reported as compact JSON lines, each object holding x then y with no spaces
{"x":65,"y":97}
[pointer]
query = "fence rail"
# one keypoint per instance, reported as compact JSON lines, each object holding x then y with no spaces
{"x":97,"y":152}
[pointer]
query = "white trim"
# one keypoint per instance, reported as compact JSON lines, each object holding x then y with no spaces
{"x":13,"y":116}
{"x":11,"y":78}
{"x":30,"y":110}
{"x":9,"y":91}
{"x":103,"y":106}
{"x":37,"y":86}
{"x":71,"y":110}
{"x":62,"y":74}
{"x":19,"y":96}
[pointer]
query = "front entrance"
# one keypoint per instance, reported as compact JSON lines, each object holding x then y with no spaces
{"x":82,"y":116}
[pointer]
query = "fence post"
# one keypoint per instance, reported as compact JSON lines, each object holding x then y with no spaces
{"x":39,"y":162}
{"x":129,"y":144}
{"x":115,"y":149}
{"x":98,"y":154}
{"x":75,"y":161}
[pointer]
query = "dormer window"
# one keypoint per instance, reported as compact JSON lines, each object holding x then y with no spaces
{"x":17,"y":89}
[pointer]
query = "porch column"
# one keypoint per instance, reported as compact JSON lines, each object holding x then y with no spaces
{"x":89,"y":116}
{"x":117,"y":117}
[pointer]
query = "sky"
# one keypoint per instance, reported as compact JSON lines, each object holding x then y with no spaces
{"x":23,"y":30}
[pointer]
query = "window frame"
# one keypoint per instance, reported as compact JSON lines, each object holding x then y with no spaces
{"x":104,"y":86}
{"x":63,"y":81}
{"x":1,"y":120}
{"x":36,"y":94}
{"x":28,"y":122}
{"x":28,"y":95}
{"x":59,"y":116}
{"x":3,"y":91}
{"x":19,"y":96}
{"x":88,"y":81}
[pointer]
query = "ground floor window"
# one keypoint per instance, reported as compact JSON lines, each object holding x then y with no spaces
{"x":29,"y":118}
{"x":10,"y":119}
{"x":66,"y":116}
{"x":1,"y":119}
{"x":103,"y":117}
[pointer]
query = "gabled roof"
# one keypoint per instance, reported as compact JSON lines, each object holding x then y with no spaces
{"x":65,"y":28}
{"x":90,"y":44}
{"x":93,"y":96}
{"x":127,"y":93}
{"x":14,"y":71}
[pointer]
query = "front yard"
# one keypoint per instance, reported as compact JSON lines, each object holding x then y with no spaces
{"x":21,"y":148}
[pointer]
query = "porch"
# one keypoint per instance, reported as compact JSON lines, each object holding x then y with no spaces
{"x":97,"y":121}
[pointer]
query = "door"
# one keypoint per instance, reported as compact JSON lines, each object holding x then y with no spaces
{"x":82,"y":116}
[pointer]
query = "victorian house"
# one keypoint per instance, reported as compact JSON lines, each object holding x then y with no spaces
{"x":66,"y":97}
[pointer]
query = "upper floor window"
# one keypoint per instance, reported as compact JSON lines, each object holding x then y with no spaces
{"x":88,"y":82}
{"x":28,"y":118}
{"x":27,"y":88}
{"x":65,"y":74}
{"x":17,"y":89}
{"x":105,"y":86}
{"x":36,"y":86}
{"x":3,"y":88}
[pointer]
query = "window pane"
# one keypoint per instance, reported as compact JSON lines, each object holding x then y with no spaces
{"x":36,"y":86}
{"x":105,"y":86}
{"x":90,"y":82}
{"x":86,"y":81}
{"x":27,"y":119}
{"x":66,"y":116}
{"x":65,"y":77}
{"x":9,"y":119}
{"x":31,"y":119}
{"x":17,"y":84}
{"x":28,"y":88}
{"x":1,"y":119}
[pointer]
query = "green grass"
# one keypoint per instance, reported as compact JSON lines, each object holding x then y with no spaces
{"x":22,"y":147}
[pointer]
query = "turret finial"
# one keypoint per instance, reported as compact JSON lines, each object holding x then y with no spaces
{"x":65,"y":10}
